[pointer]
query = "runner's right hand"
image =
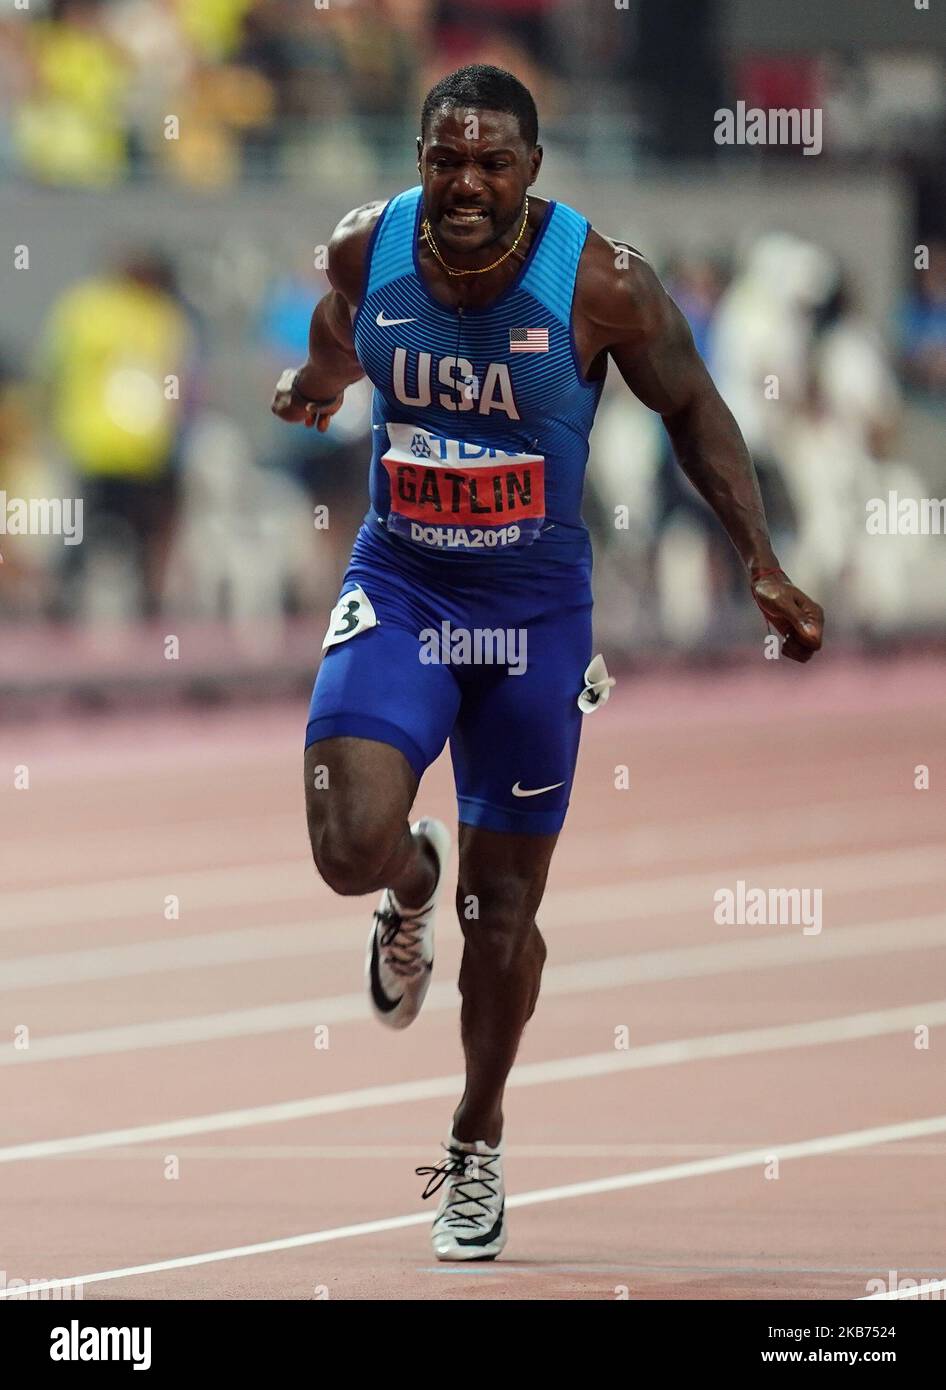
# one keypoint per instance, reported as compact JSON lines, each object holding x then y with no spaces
{"x":287,"y":405}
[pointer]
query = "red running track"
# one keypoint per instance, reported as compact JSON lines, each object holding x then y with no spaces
{"x":699,"y":1109}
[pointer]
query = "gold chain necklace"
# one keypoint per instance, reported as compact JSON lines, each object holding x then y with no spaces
{"x":481,"y":270}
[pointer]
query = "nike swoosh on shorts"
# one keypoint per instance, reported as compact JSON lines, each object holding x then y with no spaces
{"x":535,"y":791}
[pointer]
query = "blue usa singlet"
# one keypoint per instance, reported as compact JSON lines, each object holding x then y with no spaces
{"x":480,"y":416}
{"x":474,"y":534}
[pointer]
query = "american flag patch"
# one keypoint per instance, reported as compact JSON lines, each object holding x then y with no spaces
{"x":528,"y":340}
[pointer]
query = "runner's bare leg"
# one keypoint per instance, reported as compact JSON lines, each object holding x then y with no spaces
{"x":502,"y":878}
{"x":358,"y":797}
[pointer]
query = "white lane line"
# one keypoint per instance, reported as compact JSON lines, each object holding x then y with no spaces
{"x":923,"y":1291}
{"x":202,"y":1028}
{"x":296,"y":881}
{"x":727,"y":1163}
{"x":825,"y":823}
{"x":105,"y":900}
{"x":607,"y":973}
{"x":303,"y":939}
{"x":240,"y":946}
{"x":826,"y":826}
{"x":750,"y":1041}
{"x":253,"y":1153}
{"x":727,"y":957}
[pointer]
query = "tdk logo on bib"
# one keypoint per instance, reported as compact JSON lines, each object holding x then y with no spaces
{"x":455,"y":494}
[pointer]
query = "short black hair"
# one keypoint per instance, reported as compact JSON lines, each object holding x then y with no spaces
{"x":488,"y":88}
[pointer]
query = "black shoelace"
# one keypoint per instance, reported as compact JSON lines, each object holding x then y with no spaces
{"x":457,"y":1166}
{"x":402,"y":933}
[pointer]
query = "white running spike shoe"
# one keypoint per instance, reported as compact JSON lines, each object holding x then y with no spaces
{"x":471,"y":1220}
{"x":401,"y":943}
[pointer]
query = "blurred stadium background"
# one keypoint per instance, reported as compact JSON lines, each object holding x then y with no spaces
{"x":172,"y":169}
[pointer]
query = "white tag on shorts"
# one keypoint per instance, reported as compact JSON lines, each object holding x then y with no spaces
{"x":352,"y":614}
{"x":597,"y":686}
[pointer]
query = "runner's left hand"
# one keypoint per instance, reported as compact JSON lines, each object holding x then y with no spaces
{"x":792,"y":613}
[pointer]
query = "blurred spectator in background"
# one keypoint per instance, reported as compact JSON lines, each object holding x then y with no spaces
{"x":754,"y":334}
{"x":762,"y":337}
{"x":691,"y":554}
{"x":255,"y":83}
{"x":678,"y":76}
{"x":461,"y":27}
{"x":513,"y":34}
{"x":783,"y":81}
{"x":224,"y":102}
{"x":834,"y":452}
{"x":116,"y":363}
{"x":283,"y":50}
{"x":223,"y":93}
{"x":662,"y":563}
{"x":923,"y":327}
{"x":161,"y":64}
{"x":815,"y":393}
{"x":70,"y":126}
{"x":27,"y":563}
{"x":331,"y":468}
{"x":697,"y":284}
{"x":215,"y":102}
{"x":379,"y":47}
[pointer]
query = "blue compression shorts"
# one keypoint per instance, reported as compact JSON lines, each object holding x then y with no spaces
{"x":397,"y":675}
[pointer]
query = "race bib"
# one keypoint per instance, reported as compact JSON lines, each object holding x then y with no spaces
{"x":452,"y":494}
{"x":352,"y":614}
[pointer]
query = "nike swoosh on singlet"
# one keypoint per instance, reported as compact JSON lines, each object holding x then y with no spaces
{"x":535,"y":791}
{"x":382,"y":322}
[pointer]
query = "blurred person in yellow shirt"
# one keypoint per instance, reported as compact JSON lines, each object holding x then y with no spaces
{"x":214,"y":27}
{"x":28,"y":561}
{"x":117,"y":368}
{"x":70,"y":129}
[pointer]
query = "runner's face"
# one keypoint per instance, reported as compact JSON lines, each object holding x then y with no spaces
{"x":475,"y":169}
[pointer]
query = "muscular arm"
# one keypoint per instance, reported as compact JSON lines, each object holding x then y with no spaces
{"x":631,"y":316}
{"x":331,"y":364}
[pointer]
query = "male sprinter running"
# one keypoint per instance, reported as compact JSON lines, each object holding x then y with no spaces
{"x":485,"y":319}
